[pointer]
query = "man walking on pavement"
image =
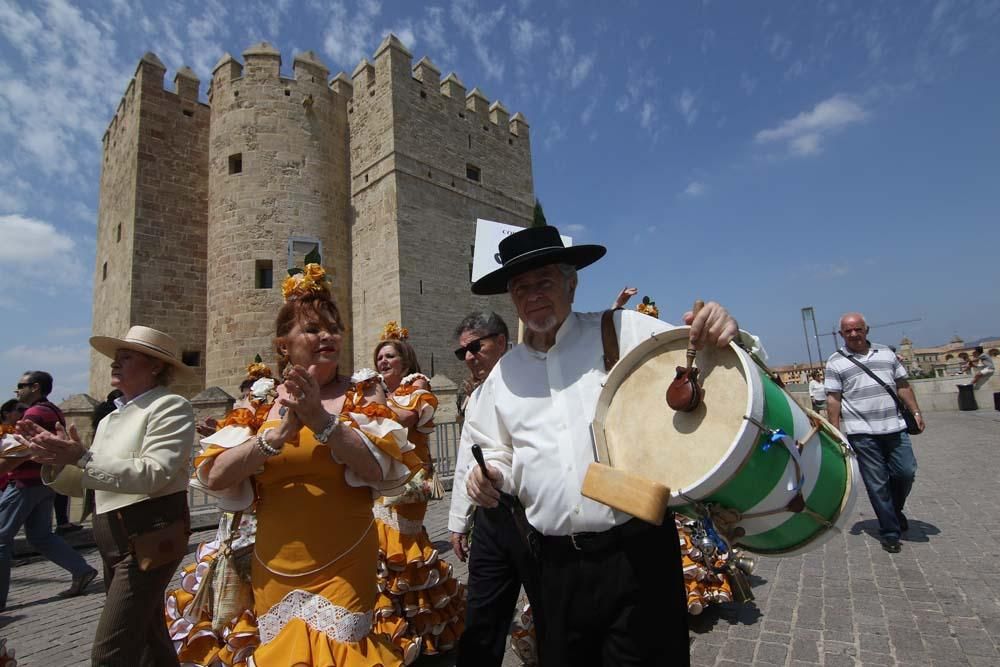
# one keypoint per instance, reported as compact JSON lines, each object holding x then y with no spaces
{"x":27,"y":502}
{"x":867,"y":413}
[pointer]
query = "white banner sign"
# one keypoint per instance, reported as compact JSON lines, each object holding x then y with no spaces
{"x":486,"y":255}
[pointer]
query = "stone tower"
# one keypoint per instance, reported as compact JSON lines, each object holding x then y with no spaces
{"x":427,"y":159}
{"x":153,"y":217}
{"x":204,"y":207}
{"x":278,"y":178}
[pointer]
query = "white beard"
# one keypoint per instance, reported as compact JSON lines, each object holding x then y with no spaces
{"x":545,"y":325}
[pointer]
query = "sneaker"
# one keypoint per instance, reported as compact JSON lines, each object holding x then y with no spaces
{"x":892,"y":546}
{"x":79,"y":584}
{"x":64,"y":528}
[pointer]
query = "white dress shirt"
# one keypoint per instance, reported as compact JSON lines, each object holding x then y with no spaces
{"x":533,"y":414}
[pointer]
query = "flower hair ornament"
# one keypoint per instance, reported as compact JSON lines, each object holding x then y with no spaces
{"x":392,"y":331}
{"x":258,"y":369}
{"x":310,"y":279}
{"x":648,"y":307}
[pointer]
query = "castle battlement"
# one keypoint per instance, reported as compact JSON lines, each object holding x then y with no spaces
{"x":392,"y":58}
{"x":150,"y":73}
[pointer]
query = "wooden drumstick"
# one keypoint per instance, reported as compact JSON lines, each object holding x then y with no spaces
{"x":691,"y":351}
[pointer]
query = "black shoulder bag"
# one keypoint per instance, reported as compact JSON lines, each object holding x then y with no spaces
{"x":911,"y":420}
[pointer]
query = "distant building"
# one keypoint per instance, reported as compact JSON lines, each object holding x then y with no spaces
{"x":203,"y":207}
{"x":949,"y":359}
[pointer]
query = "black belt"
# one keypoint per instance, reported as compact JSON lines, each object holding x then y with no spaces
{"x":605,"y":540}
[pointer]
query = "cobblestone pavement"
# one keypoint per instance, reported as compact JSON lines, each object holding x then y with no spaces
{"x":849,"y":603}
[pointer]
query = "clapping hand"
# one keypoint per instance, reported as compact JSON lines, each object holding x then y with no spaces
{"x":59,"y":448}
{"x":302,"y":396}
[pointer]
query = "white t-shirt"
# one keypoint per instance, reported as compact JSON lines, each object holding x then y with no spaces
{"x":817,"y":391}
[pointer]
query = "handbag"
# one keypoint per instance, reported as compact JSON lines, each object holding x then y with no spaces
{"x":423,"y":486}
{"x":911,"y":420}
{"x":225,"y":589}
{"x":158,"y":530}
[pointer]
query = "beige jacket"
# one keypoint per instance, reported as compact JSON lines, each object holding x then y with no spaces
{"x":140,"y":451}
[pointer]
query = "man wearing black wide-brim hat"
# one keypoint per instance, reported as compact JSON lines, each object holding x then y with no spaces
{"x":612,"y":590}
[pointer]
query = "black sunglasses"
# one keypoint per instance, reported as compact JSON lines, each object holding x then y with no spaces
{"x":473,"y":347}
{"x":22,"y":385}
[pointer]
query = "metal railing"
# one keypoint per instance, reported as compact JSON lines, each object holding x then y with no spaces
{"x":444,"y":448}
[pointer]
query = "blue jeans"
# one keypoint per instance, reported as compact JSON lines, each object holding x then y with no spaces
{"x":888,"y":468}
{"x":31,"y":507}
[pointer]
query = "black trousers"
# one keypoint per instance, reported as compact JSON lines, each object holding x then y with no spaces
{"x":619,"y":606}
{"x":499,"y":564}
{"x":132,"y":630}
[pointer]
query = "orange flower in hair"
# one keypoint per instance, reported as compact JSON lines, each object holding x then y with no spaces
{"x":304,"y":281}
{"x":392,"y":331}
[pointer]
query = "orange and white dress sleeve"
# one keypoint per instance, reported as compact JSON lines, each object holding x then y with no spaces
{"x":386,"y":440}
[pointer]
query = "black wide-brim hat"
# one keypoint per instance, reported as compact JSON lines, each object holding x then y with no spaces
{"x":531,"y":248}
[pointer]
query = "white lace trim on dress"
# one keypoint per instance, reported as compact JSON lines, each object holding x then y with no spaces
{"x":388,"y":516}
{"x":337,"y":623}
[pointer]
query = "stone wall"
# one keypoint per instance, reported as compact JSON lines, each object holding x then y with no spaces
{"x":291,"y":182}
{"x":416,"y":207}
{"x":168,"y":281}
{"x":111,"y":310}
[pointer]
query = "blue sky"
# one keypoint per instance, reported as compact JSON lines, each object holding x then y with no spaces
{"x":840,"y":155}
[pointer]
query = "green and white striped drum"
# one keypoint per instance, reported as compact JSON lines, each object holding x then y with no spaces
{"x":781,"y":494}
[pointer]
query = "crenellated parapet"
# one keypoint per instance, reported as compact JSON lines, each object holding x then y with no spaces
{"x":392,"y":61}
{"x":146,"y":83}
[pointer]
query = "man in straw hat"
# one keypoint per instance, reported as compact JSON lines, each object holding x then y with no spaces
{"x":138,"y":468}
{"x":612,"y":591}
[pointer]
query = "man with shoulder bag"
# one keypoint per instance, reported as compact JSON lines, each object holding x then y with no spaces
{"x":870,"y":401}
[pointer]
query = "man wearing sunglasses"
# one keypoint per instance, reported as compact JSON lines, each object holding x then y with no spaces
{"x":498,"y":559}
{"x":25,"y":501}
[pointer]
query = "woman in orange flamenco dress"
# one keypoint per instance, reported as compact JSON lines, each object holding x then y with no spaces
{"x":420,"y":603}
{"x":313,"y":466}
{"x":200,"y":640}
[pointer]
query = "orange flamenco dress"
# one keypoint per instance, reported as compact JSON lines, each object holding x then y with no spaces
{"x":197,"y":643}
{"x":421,"y":604}
{"x":316,"y":547}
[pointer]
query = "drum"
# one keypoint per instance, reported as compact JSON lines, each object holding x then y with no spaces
{"x":784,"y":478}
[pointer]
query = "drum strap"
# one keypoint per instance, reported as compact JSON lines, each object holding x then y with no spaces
{"x":609,"y":338}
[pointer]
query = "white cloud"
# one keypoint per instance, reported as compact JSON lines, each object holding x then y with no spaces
{"x":348,"y":37}
{"x":695,"y":189}
{"x":575,"y":229}
{"x":748,"y":83}
{"x":588,"y":111}
{"x":477,"y":27}
{"x":525,"y":36}
{"x":30,"y":244}
{"x":430,"y":30}
{"x":779,"y":46}
{"x":806,"y":131}
{"x":568,"y":64}
{"x":707,"y":40}
{"x":556,"y":134}
{"x":687,"y":106}
{"x":647,"y":114}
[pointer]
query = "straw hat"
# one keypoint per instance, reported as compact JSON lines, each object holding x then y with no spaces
{"x":148,"y":341}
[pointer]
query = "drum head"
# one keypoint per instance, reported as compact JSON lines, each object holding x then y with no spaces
{"x":635,"y":430}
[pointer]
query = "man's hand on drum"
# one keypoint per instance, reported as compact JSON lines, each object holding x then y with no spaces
{"x":713,"y":326}
{"x":481,"y":490}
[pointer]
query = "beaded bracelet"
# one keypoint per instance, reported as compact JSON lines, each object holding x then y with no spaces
{"x":266,"y":449}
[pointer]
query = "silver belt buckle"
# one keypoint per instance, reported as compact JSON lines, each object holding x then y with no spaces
{"x":572,"y":540}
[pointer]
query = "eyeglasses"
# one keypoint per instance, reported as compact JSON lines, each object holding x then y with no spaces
{"x":22,"y":385}
{"x":473,"y":347}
